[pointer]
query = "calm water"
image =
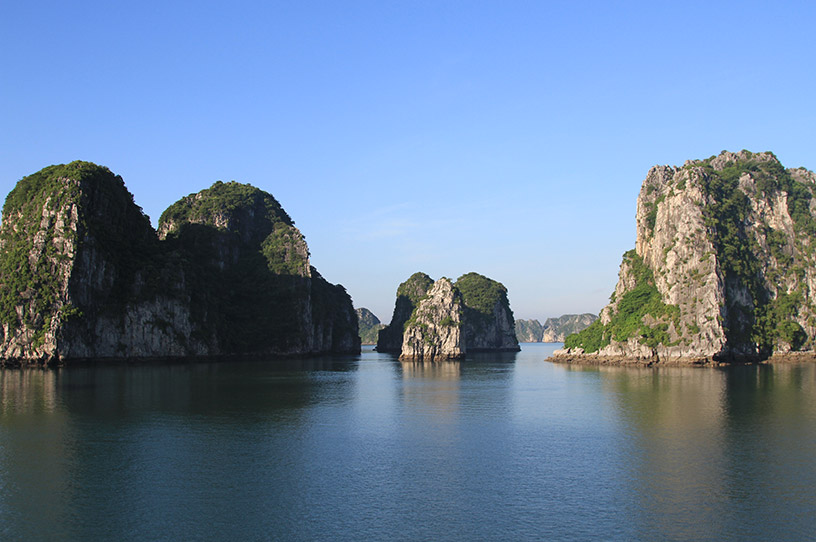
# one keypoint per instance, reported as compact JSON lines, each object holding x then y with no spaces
{"x":500,"y":447}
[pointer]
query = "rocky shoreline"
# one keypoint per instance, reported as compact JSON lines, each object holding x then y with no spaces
{"x":578,"y":357}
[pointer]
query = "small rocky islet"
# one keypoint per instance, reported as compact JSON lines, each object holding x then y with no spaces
{"x":723,"y":269}
{"x":443,"y":319}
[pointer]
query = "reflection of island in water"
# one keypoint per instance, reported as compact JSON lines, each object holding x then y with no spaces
{"x":473,"y":390}
{"x":432,"y":387}
{"x":438,"y":370}
{"x":110,"y":435}
{"x":36,"y":445}
{"x":699,"y":438}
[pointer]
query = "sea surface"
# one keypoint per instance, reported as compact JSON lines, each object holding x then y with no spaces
{"x":496,"y":447}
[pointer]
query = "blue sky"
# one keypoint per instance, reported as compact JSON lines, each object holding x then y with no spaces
{"x":506,"y":138}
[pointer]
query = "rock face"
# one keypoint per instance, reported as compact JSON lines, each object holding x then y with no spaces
{"x":408,"y":295}
{"x":724,"y":267}
{"x":554,"y":330}
{"x":529,"y":331}
{"x":447,"y":319}
{"x":488,"y":323}
{"x":369,"y":326}
{"x":85,"y":276}
{"x":434,"y":331}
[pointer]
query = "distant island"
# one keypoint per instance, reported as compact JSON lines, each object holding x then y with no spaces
{"x":369,"y":326}
{"x":723,"y":270}
{"x":554,"y":330}
{"x":86,"y":277}
{"x":438,"y":320}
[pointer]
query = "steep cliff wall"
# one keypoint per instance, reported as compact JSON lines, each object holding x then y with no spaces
{"x":408,"y":295}
{"x":486,"y":320}
{"x":724,"y":266}
{"x":85,"y":276}
{"x":434,"y":331}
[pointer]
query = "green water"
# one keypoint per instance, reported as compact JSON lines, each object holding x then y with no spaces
{"x":498,"y":447}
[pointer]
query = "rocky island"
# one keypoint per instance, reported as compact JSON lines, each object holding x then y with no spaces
{"x":723,"y":270}
{"x":84,"y":276}
{"x":369,"y":326}
{"x":438,"y":320}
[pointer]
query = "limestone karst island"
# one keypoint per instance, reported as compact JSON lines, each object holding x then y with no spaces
{"x":85,"y":276}
{"x":723,"y":269}
{"x":439,"y":320}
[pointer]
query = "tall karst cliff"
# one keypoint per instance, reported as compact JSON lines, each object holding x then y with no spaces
{"x":724,"y":267}
{"x":444,"y":320}
{"x":83,"y":275}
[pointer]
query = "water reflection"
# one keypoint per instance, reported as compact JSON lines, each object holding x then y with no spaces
{"x":480,"y":358}
{"x":437,"y":370}
{"x":432,"y":388}
{"x":703,"y":439}
{"x":27,"y":389}
{"x":368,"y":447}
{"x":36,"y":447}
{"x":131,"y":442}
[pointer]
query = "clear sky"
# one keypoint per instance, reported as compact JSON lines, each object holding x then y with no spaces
{"x":508,"y":138}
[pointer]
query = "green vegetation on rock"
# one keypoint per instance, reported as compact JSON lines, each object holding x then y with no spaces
{"x":766,"y":320}
{"x":741,"y":241}
{"x":48,"y":218}
{"x":409,"y":294}
{"x":224,"y":198}
{"x":590,"y":339}
{"x":81,"y":261}
{"x":628,"y":319}
{"x":415,"y":287}
{"x":481,"y":295}
{"x":369,"y":326}
{"x":483,"y":312}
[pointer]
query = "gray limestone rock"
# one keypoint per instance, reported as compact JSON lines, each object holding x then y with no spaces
{"x":476,"y":306}
{"x":434,"y":331}
{"x":724,"y":266}
{"x":85,"y":276}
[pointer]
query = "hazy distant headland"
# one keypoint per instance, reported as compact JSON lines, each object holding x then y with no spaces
{"x":369,"y":326}
{"x":554,"y":330}
{"x":86,"y":277}
{"x":723,"y":270}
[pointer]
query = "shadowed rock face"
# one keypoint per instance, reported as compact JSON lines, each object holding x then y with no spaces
{"x":447,"y":319}
{"x":408,"y":295}
{"x":85,"y":276}
{"x":724,"y":266}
